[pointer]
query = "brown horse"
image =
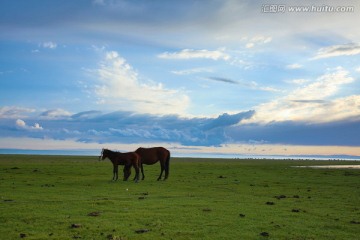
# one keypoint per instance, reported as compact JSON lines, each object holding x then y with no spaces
{"x":150,"y":156}
{"x":130,"y":159}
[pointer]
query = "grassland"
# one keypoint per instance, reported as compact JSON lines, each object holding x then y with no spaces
{"x":62,"y":197}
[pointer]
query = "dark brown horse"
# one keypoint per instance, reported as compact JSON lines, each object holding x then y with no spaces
{"x":150,"y":156}
{"x":130,"y":159}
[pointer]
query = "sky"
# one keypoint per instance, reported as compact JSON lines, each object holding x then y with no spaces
{"x":198,"y":77}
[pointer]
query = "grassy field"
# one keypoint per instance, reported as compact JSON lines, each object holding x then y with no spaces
{"x":62,"y":197}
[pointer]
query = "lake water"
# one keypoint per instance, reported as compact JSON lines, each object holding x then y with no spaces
{"x":333,"y":166}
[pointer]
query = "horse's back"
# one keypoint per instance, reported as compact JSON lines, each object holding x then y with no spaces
{"x":153,"y":150}
{"x":152,"y":155}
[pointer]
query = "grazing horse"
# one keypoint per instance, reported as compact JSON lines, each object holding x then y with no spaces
{"x":130,"y":159}
{"x":150,"y":156}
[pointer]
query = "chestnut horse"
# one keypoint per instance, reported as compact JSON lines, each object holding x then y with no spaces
{"x":150,"y":156}
{"x":130,"y":159}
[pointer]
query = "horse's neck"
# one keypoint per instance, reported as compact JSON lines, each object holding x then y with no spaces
{"x":111,"y":156}
{"x":116,"y":158}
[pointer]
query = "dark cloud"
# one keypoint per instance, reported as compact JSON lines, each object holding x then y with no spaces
{"x":225,"y":80}
{"x":170,"y":128}
{"x":44,"y":14}
{"x":79,"y":15}
{"x":128,"y":127}
{"x":338,"y":50}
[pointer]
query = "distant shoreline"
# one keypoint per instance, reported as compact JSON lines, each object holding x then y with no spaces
{"x":82,"y":152}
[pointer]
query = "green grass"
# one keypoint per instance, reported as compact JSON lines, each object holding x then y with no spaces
{"x":42,"y":196}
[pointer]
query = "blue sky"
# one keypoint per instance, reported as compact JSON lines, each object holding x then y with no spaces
{"x":195,"y":76}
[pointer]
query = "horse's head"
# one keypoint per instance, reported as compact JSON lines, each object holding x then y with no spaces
{"x":102,"y":156}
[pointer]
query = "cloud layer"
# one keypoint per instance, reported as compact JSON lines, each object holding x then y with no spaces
{"x":127,"y":127}
{"x":196,"y":54}
{"x":131,"y":128}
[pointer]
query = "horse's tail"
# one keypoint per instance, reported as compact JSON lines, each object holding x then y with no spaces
{"x":167,"y":165}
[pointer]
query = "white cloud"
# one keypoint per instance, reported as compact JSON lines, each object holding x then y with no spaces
{"x":22,"y":124}
{"x":250,"y":45}
{"x":194,"y":54}
{"x":346,"y":107}
{"x":55,"y":114}
{"x":15,"y":112}
{"x":324,"y":86}
{"x":294,"y":66}
{"x":120,"y":86}
{"x":269,"y":89}
{"x":311,"y":102}
{"x":338,"y":50}
{"x":256,"y":86}
{"x":50,"y":45}
{"x":37,"y":126}
{"x":112,"y":55}
{"x":299,"y":81}
{"x":192,"y":71}
{"x":258,"y":40}
{"x":261,"y":39}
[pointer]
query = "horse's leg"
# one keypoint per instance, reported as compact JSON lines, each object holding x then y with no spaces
{"x":137,"y":173}
{"x":126,"y":172}
{"x":116,"y":172}
{"x":129,"y":172}
{"x":166,"y":171}
{"x":167,"y":167}
{"x":142,"y":171}
{"x":162,"y":170}
{"x":166,"y":174}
